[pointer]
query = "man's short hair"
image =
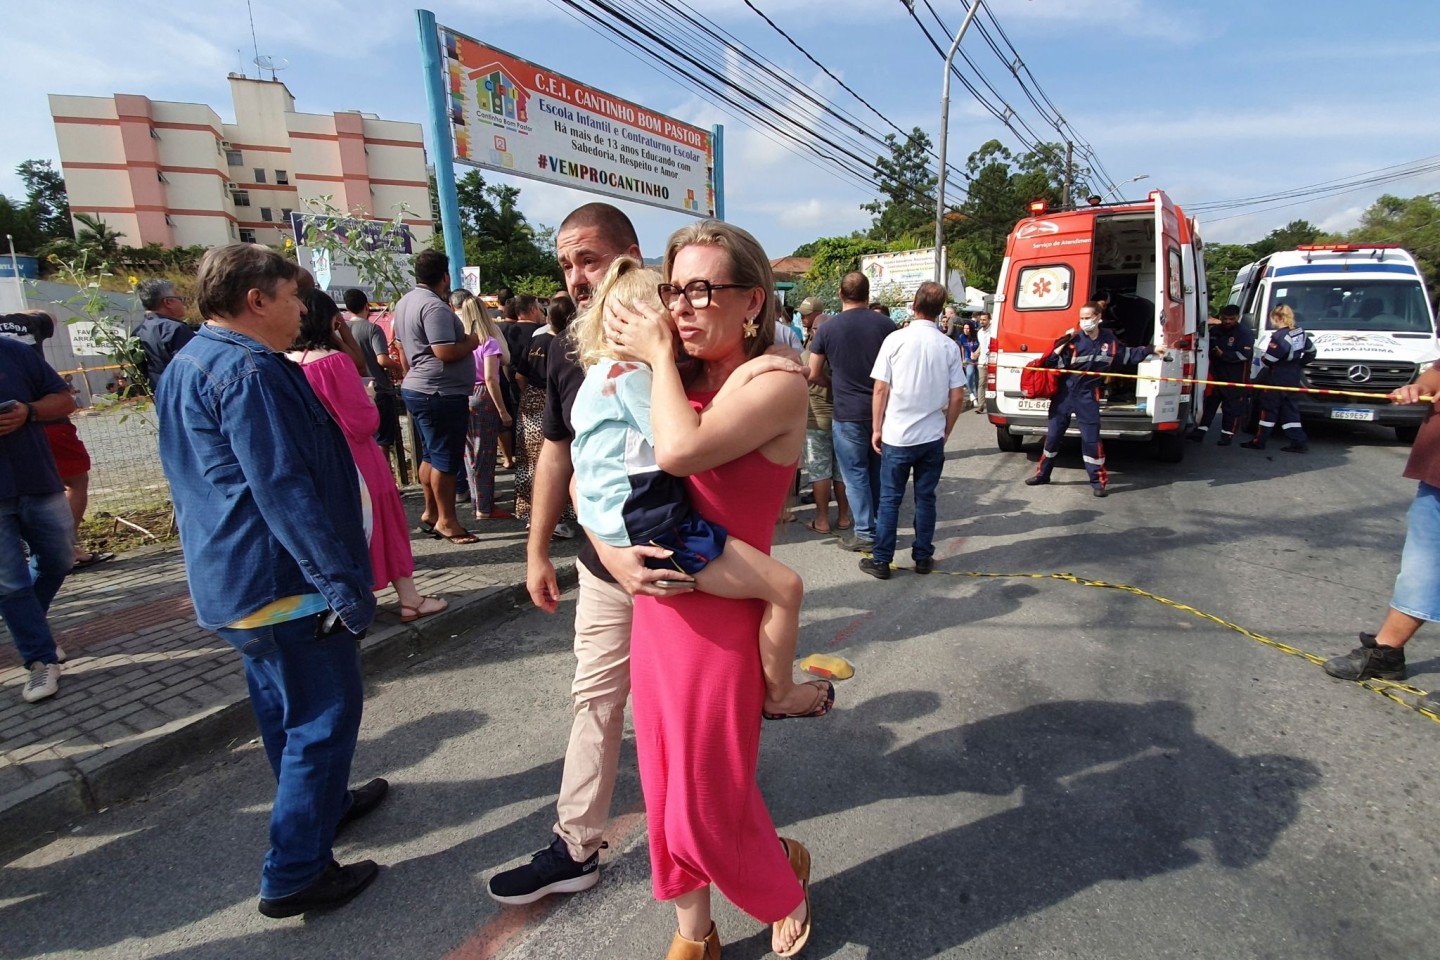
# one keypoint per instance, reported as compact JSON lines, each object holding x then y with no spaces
{"x":855,"y":288}
{"x":153,"y":292}
{"x":523,"y":303}
{"x":227,"y":275}
{"x":356,"y":301}
{"x":431,"y":268}
{"x":930,"y":299}
{"x":504,"y":294}
{"x":1230,"y":310}
{"x":609,"y":220}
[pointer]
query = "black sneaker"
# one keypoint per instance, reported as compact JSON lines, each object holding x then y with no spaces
{"x":1036,"y":480}
{"x":855,"y":544}
{"x":336,"y":887}
{"x":1225,"y":440}
{"x":1253,"y":445}
{"x":1295,"y":448}
{"x":549,"y":871}
{"x":876,"y":569}
{"x":1368,"y":661}
{"x":924,"y":564}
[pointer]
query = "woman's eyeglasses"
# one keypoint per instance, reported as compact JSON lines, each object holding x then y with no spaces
{"x":697,"y":292}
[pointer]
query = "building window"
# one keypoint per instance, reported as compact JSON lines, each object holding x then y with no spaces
{"x":233,"y":158}
{"x":267,"y":215}
{"x":168,"y":221}
{"x":241,"y":198}
{"x":285,"y":214}
{"x":282,"y":177}
{"x":231,"y":228}
{"x":160,"y":176}
{"x":247,"y":236}
{"x":259,"y":175}
{"x":154,"y":134}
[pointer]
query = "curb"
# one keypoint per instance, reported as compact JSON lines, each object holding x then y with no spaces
{"x":30,"y":815}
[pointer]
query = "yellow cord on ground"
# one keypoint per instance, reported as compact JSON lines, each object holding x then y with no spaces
{"x":1388,"y":689}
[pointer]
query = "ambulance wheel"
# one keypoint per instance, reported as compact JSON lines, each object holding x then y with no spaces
{"x":1406,"y":434}
{"x":1170,"y":447}
{"x":1007,"y":441}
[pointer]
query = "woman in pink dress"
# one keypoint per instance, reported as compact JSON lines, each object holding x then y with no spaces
{"x":328,"y":354}
{"x":696,"y":677}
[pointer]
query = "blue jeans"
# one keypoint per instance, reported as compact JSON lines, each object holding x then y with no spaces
{"x":1417,"y":587}
{"x":44,"y":522}
{"x":927,"y":460}
{"x":859,"y":467}
{"x":307,"y":695}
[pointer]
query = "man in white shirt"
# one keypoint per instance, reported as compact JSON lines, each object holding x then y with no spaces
{"x":982,"y":332}
{"x":919,"y":392}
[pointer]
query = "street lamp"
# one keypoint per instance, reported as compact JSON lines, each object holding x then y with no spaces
{"x":944,"y":132}
{"x":1116,"y":192}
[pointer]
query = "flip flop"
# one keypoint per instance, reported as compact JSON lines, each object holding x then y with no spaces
{"x":410,"y":614}
{"x":799,"y":858}
{"x":92,"y":559}
{"x":810,"y":525}
{"x":845,"y":525}
{"x":428,"y":530}
{"x":821,"y":707}
{"x":463,"y":538}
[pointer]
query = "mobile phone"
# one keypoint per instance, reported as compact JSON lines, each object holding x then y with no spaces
{"x":674,"y":584}
{"x":7,"y":405}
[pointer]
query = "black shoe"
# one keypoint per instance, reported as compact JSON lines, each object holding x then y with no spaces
{"x":924,"y":564}
{"x":1367,"y":662}
{"x":336,"y":887}
{"x":1100,"y":492}
{"x":1198,"y":436}
{"x":1295,"y":448}
{"x":1036,"y":480}
{"x":1253,"y":445}
{"x":855,"y":544}
{"x":1225,"y":440}
{"x":363,"y":801}
{"x":549,"y":871}
{"x":876,"y":569}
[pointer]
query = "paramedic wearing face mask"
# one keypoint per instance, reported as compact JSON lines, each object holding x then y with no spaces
{"x":1081,"y":355}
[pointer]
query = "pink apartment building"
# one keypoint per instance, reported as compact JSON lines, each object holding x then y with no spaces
{"x":175,"y":174}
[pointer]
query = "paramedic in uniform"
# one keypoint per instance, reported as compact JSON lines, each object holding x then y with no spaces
{"x":1289,"y":349}
{"x":1232,"y":347}
{"x":1081,"y":355}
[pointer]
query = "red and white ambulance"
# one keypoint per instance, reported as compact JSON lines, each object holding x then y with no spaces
{"x":1148,"y":258}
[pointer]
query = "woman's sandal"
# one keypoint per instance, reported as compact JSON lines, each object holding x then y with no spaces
{"x":707,"y":949}
{"x":408,"y":614}
{"x":822,"y":706}
{"x":799,"y":862}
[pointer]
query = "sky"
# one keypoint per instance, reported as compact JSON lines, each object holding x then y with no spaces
{"x":1210,"y":100}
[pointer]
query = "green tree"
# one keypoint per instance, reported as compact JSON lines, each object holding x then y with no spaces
{"x":1412,"y":223}
{"x":375,"y":253}
{"x":99,"y":241}
{"x":498,"y":237}
{"x":19,"y":222}
{"x":1222,"y":262}
{"x":905,"y":209}
{"x":1288,"y":237}
{"x":45,"y":196}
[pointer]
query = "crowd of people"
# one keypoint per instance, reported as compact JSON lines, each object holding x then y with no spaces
{"x":673,"y":407}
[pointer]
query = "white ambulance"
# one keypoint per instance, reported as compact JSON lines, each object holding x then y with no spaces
{"x":1366,"y":308}
{"x":1148,"y":258}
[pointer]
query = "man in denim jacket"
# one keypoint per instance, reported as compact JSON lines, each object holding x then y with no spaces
{"x":268,"y":505}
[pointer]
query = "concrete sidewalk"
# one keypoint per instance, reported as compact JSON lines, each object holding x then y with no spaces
{"x":147,"y":691}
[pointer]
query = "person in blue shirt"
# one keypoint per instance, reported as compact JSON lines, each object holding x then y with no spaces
{"x":1081,"y":355}
{"x":267,"y":502}
{"x":624,"y":499}
{"x":1232,"y":347}
{"x":1289,"y":349}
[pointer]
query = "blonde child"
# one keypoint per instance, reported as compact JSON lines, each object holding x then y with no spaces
{"x":623,"y":498}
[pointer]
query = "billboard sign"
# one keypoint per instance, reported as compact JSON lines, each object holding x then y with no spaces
{"x":376,"y":234}
{"x":517,"y":117}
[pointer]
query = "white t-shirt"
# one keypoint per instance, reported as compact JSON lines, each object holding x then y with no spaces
{"x":922,"y":366}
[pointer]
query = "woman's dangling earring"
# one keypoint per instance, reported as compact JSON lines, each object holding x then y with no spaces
{"x":751,"y":328}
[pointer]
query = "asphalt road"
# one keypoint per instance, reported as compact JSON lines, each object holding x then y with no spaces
{"x":1020,"y":767}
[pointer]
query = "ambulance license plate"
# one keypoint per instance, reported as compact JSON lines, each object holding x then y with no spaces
{"x":1351,"y":413}
{"x":1027,"y":404}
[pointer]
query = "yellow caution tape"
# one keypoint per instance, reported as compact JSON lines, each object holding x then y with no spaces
{"x":1389,"y":689}
{"x":1320,"y":391}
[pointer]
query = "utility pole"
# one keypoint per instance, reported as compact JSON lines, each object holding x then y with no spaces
{"x":944,"y":132}
{"x":1065,"y":203}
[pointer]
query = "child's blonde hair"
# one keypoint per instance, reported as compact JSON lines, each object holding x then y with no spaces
{"x":627,"y":280}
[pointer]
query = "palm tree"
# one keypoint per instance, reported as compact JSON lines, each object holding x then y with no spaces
{"x":97,"y":239}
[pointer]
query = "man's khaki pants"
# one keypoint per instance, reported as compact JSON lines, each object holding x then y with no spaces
{"x":602,"y":685}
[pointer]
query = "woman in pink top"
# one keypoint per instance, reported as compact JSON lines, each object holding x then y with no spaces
{"x":488,"y":415}
{"x":328,"y":354}
{"x":696,"y":677}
